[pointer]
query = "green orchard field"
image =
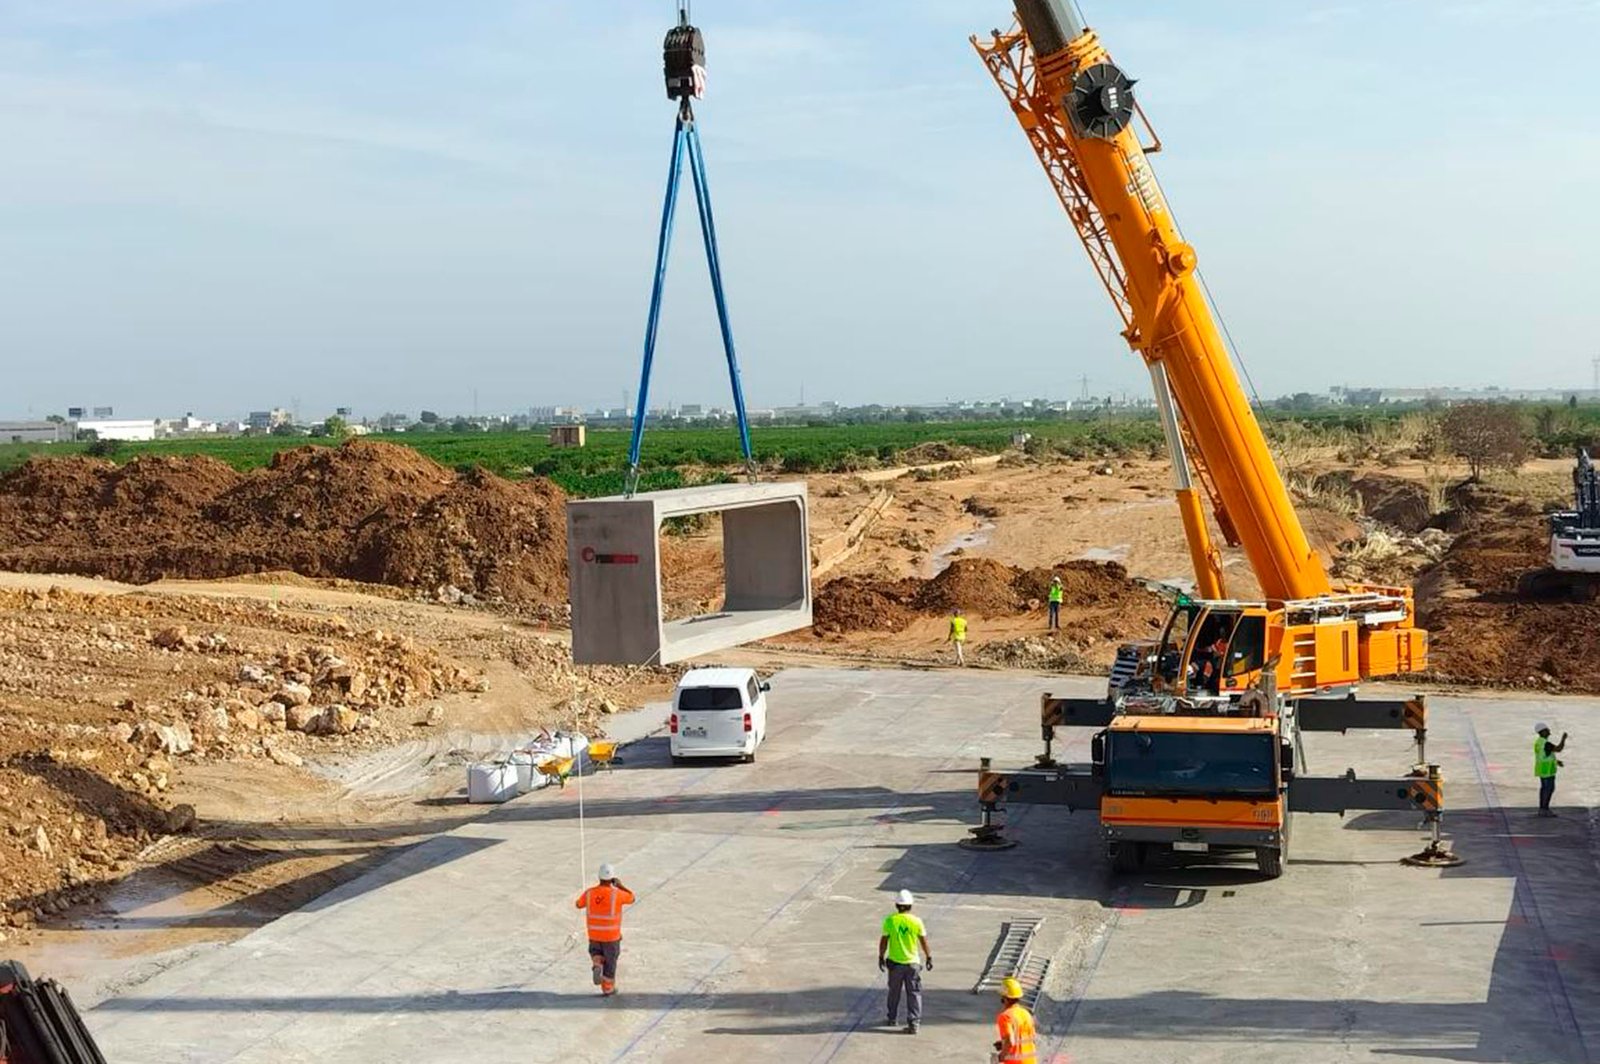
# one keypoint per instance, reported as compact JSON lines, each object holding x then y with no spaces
{"x":671,"y":457}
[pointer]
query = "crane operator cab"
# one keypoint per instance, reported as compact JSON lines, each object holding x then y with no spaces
{"x":1211,"y":651}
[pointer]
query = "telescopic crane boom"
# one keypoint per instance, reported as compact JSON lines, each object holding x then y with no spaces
{"x":1080,"y":113}
{"x":1200,"y":747}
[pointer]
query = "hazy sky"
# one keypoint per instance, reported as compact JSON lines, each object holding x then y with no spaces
{"x":220,"y":205}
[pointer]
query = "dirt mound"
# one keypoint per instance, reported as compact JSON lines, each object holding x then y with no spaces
{"x":319,"y":489}
{"x":495,"y":537}
{"x":925,"y":453}
{"x":859,"y":604}
{"x":375,"y":512}
{"x":976,"y":585}
{"x":1099,"y":592}
{"x":1481,"y":630}
{"x":1083,"y":583}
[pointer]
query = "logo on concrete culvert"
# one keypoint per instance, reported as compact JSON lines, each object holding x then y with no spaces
{"x":589,"y":554}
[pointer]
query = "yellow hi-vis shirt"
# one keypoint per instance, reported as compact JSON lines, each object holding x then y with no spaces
{"x":958,"y":629}
{"x":903,"y":930}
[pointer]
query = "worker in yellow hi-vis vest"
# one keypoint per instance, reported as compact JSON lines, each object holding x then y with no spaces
{"x":1057,"y":593}
{"x":1545,"y":764}
{"x":958,"y":635}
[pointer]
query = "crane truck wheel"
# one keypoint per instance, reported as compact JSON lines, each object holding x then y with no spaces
{"x":1269,"y":860}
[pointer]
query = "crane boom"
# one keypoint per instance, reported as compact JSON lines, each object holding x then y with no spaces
{"x":1080,"y":111}
{"x":1229,"y":682}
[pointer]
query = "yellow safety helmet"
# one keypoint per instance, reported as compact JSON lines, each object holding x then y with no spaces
{"x":1012,"y":989}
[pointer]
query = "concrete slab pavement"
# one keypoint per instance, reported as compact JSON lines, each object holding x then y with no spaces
{"x":762,"y":886}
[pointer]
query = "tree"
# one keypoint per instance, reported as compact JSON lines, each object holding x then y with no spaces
{"x":1487,"y":435}
{"x":283,"y":428}
{"x":461,"y":424}
{"x":336,"y":427}
{"x":428,"y":417}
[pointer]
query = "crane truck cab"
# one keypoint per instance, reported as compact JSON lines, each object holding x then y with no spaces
{"x":1182,"y":786}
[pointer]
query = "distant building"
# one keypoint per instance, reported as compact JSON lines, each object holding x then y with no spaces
{"x":132,"y":430}
{"x":267,"y":420}
{"x":189,"y":425}
{"x":554,"y":415}
{"x":568,"y":436}
{"x":34,"y":432}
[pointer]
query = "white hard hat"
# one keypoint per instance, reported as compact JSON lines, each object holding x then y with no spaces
{"x":1539,"y":727}
{"x":607,"y":872}
{"x":904,"y":898}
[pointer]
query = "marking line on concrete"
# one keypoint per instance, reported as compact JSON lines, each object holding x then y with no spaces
{"x":1524,"y":899}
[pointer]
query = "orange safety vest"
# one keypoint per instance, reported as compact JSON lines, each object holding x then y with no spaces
{"x":1015,"y":1024}
{"x":604,"y":904}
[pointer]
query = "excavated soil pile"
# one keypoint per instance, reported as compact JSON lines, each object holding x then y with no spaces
{"x":375,"y":512}
{"x":1097,"y":593}
{"x":108,"y":698}
{"x":1482,"y":631}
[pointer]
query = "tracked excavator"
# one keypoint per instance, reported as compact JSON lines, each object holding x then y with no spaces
{"x":1198,"y":745}
{"x":1574,"y":570}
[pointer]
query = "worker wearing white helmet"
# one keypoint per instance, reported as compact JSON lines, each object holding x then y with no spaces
{"x":1545,"y":764}
{"x":901,"y":948}
{"x":603,"y":904}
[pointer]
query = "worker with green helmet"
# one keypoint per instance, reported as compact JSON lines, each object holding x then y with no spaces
{"x":1545,"y":764}
{"x":1015,"y":1027}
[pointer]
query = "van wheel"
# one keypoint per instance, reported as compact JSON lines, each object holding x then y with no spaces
{"x":749,"y":759}
{"x":1269,"y":859}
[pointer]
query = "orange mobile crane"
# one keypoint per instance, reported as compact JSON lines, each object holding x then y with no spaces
{"x":1201,"y":744}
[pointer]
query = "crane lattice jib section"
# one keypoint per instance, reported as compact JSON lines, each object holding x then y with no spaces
{"x":1010,"y":60}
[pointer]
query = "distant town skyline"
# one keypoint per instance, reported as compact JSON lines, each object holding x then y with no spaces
{"x":414,"y":202}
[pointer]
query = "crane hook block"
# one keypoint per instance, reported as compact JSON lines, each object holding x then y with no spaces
{"x":1101,"y":104}
{"x":684,"y":56}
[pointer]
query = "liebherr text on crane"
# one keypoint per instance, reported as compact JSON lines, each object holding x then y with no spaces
{"x":1200,"y":744}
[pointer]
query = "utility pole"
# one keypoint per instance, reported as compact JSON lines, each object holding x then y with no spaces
{"x":1596,"y":388}
{"x":1083,"y":383}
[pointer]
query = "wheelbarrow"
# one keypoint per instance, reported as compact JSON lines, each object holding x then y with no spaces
{"x":557,"y":768}
{"x":604,"y":755}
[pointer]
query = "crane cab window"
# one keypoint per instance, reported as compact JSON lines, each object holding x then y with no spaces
{"x":1175,"y":643}
{"x":1248,"y":651}
{"x":1209,"y":656}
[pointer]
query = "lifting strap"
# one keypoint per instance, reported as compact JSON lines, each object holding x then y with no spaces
{"x":686,"y":138}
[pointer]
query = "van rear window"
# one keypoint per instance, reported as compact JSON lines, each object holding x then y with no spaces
{"x":709,"y":698}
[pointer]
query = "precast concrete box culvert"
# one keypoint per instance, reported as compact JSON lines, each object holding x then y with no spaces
{"x":614,"y":572}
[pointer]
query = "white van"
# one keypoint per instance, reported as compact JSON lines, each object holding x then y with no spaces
{"x":718,"y":713}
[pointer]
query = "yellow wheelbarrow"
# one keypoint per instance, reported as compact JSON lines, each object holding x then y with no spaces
{"x":557,"y":768}
{"x":604,"y":755}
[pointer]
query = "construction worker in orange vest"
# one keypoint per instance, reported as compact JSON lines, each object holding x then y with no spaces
{"x":604,"y":904}
{"x":1015,"y":1027}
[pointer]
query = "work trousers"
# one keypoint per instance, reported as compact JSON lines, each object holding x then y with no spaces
{"x":1547,"y":788}
{"x":606,"y":953}
{"x":1055,"y":615}
{"x":905,"y":978}
{"x":961,"y":653}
